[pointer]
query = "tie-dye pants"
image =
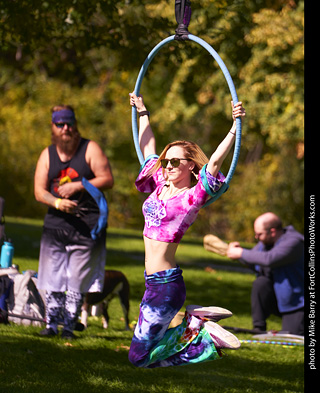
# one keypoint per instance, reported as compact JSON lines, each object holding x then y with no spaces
{"x":63,"y":308}
{"x":153,"y":344}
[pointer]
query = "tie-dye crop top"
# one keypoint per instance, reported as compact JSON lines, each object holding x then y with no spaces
{"x":168,"y":220}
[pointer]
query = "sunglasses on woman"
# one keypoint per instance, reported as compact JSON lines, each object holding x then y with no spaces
{"x":175,"y":162}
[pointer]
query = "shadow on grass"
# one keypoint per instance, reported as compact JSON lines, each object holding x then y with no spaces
{"x":32,"y":364}
{"x":25,"y":237}
{"x":224,"y":289}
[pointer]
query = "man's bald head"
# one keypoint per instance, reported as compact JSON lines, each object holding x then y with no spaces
{"x":268,"y":228}
{"x":269,"y":220}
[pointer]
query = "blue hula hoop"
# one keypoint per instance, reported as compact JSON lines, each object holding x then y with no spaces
{"x":234,"y":96}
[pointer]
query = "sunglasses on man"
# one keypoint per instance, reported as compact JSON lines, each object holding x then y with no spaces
{"x":175,"y":162}
{"x":61,"y":125}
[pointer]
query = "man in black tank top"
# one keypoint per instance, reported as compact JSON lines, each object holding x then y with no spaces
{"x":71,"y":262}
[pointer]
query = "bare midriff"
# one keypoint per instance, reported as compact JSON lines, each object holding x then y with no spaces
{"x":159,"y":256}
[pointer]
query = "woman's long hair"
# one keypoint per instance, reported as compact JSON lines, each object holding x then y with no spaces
{"x":192,"y":152}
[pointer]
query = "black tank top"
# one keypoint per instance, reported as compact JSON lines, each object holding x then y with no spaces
{"x":61,"y":172}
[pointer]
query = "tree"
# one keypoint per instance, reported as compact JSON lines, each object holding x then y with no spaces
{"x":89,"y":55}
{"x":271,"y":175}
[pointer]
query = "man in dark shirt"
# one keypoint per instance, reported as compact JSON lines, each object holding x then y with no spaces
{"x":278,"y":260}
{"x":71,"y":259}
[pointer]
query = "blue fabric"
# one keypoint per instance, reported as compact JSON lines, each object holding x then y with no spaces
{"x":63,"y":116}
{"x":7,"y":283}
{"x":98,"y":196}
{"x":150,"y":157}
{"x":212,"y":184}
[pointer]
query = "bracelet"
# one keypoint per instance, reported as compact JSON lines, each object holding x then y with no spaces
{"x":144,"y":113}
{"x":232,"y":133}
{"x":57,"y":203}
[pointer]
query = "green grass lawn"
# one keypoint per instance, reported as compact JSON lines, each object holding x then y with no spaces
{"x":98,"y":360}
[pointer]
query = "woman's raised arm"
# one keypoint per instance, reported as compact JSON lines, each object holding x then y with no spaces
{"x":147,"y":140}
{"x":223,"y":149}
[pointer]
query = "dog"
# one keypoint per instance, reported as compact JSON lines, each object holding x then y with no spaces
{"x":115,"y":283}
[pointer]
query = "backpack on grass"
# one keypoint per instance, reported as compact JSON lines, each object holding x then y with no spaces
{"x":24,"y":303}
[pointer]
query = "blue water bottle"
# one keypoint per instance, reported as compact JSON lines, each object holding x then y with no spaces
{"x":6,"y":254}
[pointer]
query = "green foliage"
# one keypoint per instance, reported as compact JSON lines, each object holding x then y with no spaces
{"x":275,"y":75}
{"x":275,"y":188}
{"x":89,"y":55}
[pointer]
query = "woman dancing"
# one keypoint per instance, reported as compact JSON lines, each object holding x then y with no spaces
{"x":180,"y":181}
